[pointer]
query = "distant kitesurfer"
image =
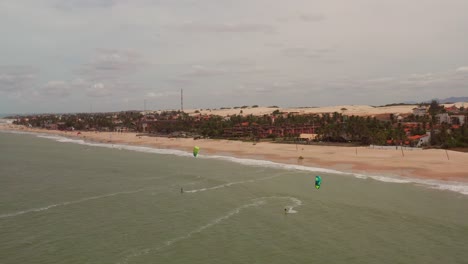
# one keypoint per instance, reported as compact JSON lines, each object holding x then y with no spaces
{"x":181,"y":190}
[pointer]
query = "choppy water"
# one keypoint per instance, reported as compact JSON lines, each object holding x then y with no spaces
{"x":98,"y":203}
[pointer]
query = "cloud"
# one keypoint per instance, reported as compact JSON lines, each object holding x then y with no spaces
{"x":112,"y":64}
{"x":312,"y":17}
{"x":161,"y":94}
{"x":463,"y":69}
{"x":264,"y":88}
{"x":295,"y":52}
{"x":380,"y":80}
{"x":179,"y":81}
{"x":222,"y":68}
{"x":98,"y":90}
{"x":225,"y":28}
{"x":80,"y":4}
{"x":110,"y":71}
{"x":155,"y":95}
{"x":324,"y":50}
{"x":251,"y":89}
{"x":204,"y":71}
{"x":57,"y":88}
{"x":302,"y":52}
{"x":416,"y":86}
{"x":16,"y":79}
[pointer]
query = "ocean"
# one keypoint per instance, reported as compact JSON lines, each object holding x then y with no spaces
{"x":69,"y":201}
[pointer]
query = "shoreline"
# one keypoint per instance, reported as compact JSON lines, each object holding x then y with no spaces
{"x":431,"y":164}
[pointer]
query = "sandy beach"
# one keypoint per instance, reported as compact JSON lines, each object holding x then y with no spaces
{"x":427,"y":164}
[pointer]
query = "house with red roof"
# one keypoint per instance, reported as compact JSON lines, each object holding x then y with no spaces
{"x":452,"y":109}
{"x":419,"y":140}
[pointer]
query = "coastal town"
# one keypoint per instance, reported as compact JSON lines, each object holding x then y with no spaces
{"x":139,"y":131}
{"x":425,"y":125}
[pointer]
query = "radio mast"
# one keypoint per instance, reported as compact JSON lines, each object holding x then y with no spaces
{"x":182,"y":100}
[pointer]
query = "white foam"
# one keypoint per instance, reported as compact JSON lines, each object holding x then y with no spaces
{"x":389,"y":179}
{"x":453,"y":186}
{"x":254,"y":203}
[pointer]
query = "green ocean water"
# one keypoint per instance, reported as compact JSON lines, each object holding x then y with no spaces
{"x":74,"y":203}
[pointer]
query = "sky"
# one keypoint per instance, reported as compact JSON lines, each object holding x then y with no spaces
{"x":112,"y":55}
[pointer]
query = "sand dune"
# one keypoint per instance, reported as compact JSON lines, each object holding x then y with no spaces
{"x":361,"y":110}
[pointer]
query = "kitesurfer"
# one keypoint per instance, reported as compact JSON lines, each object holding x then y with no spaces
{"x":318,"y":182}
{"x":196,"y":149}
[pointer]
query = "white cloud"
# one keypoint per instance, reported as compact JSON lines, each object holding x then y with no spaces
{"x":154,"y":95}
{"x":57,"y":88}
{"x":78,"y":4}
{"x":463,"y":69}
{"x":98,"y":90}
{"x":16,"y":79}
{"x":111,"y":63}
{"x":161,"y":94}
{"x":224,"y":27}
{"x":108,"y":47}
{"x":312,"y":17}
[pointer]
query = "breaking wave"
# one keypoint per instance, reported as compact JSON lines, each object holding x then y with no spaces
{"x":458,"y":187}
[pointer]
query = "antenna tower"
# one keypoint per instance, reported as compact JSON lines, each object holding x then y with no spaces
{"x":182,"y":100}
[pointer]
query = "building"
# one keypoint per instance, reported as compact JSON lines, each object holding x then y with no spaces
{"x":419,"y":140}
{"x":424,"y":140}
{"x":458,"y":120}
{"x":247,"y":129}
{"x":420,"y":111}
{"x":443,"y":118}
{"x":308,"y":137}
{"x":452,"y":109}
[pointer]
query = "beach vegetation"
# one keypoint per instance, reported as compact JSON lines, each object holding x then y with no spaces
{"x":329,"y":128}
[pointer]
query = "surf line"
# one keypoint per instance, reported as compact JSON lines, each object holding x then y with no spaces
{"x":254,"y":203}
{"x":231,"y":183}
{"x":34,"y":210}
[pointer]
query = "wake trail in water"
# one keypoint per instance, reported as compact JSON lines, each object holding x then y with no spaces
{"x":254,"y":203}
{"x":230,"y":184}
{"x":34,"y":210}
{"x":459,"y":187}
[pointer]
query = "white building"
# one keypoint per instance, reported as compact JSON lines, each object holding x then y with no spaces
{"x":443,"y":118}
{"x":424,"y":140}
{"x":458,"y":119}
{"x":420,"y":111}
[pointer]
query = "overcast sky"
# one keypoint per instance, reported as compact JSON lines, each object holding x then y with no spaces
{"x":106,"y":55}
